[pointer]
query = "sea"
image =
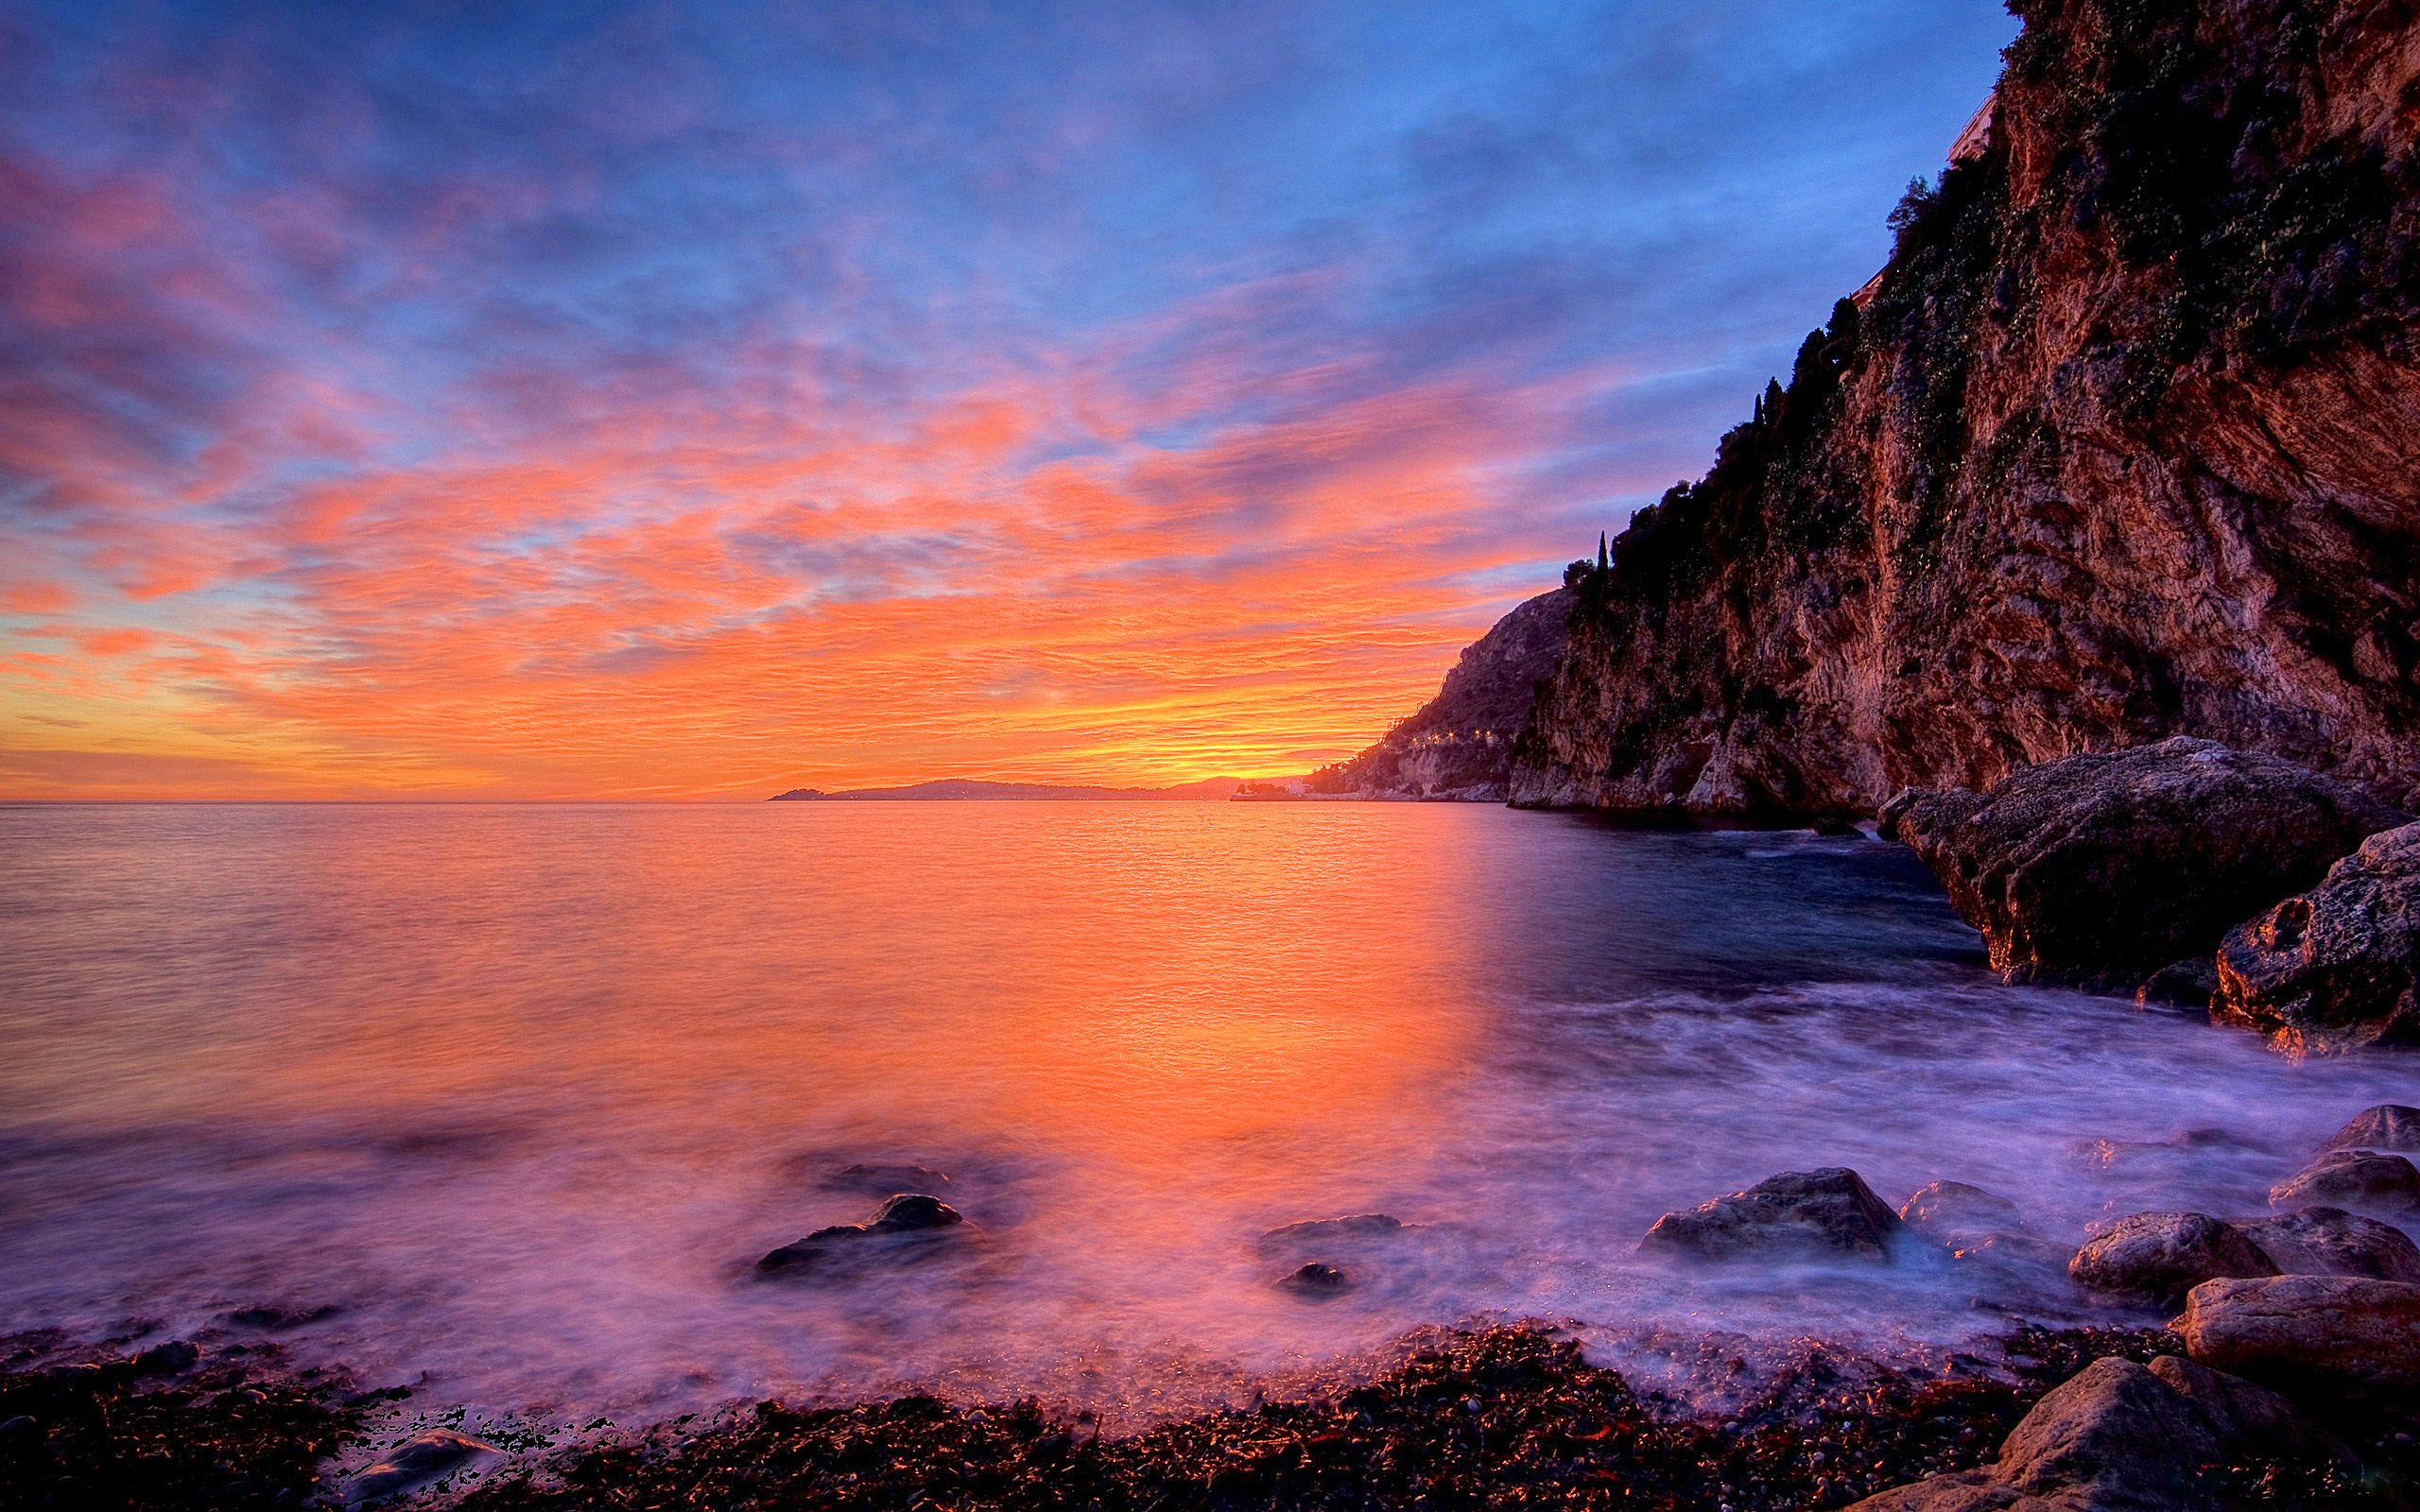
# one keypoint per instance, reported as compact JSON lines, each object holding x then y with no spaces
{"x":504,"y":1101}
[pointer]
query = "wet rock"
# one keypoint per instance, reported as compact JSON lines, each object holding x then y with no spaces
{"x":882,"y":1179}
{"x":2186,"y":984}
{"x":1354,"y":1227}
{"x":1823,"y":1214}
{"x":2335,"y":968}
{"x":167,"y":1359}
{"x":1949,"y":1211}
{"x":2389,"y":1126}
{"x":2331,"y":1242}
{"x":1315,"y":1279}
{"x":2101,"y":870}
{"x":2122,"y":1434}
{"x":2336,"y":1334}
{"x":904,"y":1229}
{"x":2155,"y":1257}
{"x":2363,"y":1180}
{"x":415,"y":1462}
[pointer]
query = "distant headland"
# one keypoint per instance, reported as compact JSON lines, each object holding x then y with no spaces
{"x":959,"y":790}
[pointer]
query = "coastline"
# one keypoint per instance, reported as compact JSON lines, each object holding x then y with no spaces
{"x":1508,"y":1414}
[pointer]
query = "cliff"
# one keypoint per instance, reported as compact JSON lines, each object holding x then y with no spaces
{"x":1459,"y":744}
{"x":2123,"y":443}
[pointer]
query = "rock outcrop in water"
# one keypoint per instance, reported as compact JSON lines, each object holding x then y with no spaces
{"x":2105,"y":869}
{"x":2339,"y":966}
{"x":904,"y":1228}
{"x":1826,"y":1215}
{"x":2121,"y":447}
{"x":2331,"y":1242}
{"x":1460,"y":744}
{"x":2155,"y":1257}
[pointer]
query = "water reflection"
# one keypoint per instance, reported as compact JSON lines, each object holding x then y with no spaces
{"x":523,"y":1091}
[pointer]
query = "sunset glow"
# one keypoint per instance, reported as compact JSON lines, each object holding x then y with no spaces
{"x":620,"y":405}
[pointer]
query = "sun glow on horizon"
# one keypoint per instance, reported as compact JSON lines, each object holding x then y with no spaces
{"x":641,"y":406}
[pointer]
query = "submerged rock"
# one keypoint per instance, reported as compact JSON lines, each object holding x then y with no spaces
{"x":2335,"y":968}
{"x":2155,"y":1257}
{"x":2331,"y":1242}
{"x":2122,"y":1434}
{"x":1358,"y":1226}
{"x":2389,"y":1126}
{"x":2363,"y":1180}
{"x":419,"y":1459}
{"x":2337,"y":1333}
{"x":1315,"y":1279}
{"x":2103,"y":869}
{"x":882,"y":1179}
{"x":1949,"y":1211}
{"x":904,"y":1229}
{"x":1823,"y":1214}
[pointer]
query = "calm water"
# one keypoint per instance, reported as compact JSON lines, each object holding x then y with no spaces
{"x":519,"y":1093}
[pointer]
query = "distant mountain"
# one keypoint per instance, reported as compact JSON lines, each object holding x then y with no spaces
{"x":962,"y":790}
{"x":1458,"y":744}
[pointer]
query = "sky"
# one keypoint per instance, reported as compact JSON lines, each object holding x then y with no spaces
{"x":454,"y":400}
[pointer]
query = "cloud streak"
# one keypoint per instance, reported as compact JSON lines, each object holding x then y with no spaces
{"x":644,"y":401}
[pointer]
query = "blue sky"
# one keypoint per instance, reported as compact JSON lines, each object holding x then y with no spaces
{"x":381,"y":369}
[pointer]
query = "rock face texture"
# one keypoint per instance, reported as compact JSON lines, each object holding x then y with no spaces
{"x":2104,"y":869}
{"x":2389,"y":1126}
{"x":2334,"y":1333}
{"x":2155,"y":1257}
{"x":2331,"y":1242}
{"x":2122,"y":1434}
{"x":2364,"y":1180}
{"x":1460,"y":744}
{"x":2121,"y":447}
{"x":1826,"y":1215}
{"x":2339,"y":966}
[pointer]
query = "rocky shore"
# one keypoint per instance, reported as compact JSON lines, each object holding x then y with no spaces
{"x":2288,"y":1376}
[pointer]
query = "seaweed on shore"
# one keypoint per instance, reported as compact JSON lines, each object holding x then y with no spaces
{"x":165,"y":1429}
{"x":1501,"y":1417}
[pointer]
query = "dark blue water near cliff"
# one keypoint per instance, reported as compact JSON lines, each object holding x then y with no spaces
{"x":505,"y":1100}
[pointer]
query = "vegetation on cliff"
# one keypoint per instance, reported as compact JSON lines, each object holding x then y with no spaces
{"x":2120,"y":448}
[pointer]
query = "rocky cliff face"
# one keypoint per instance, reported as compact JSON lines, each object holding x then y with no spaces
{"x":1460,"y":744}
{"x":2125,"y":443}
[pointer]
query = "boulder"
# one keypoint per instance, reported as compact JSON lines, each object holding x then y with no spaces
{"x":1949,"y":1211}
{"x":2363,"y":1180}
{"x":2155,"y":1257}
{"x":2389,"y":1126}
{"x":2331,"y":1242}
{"x":415,"y":1462}
{"x":904,"y":1228}
{"x":2333,"y":969}
{"x":1315,"y":1279}
{"x":2102,"y":870}
{"x":1826,"y":1215}
{"x":2334,"y":1333}
{"x":2122,"y":1434}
